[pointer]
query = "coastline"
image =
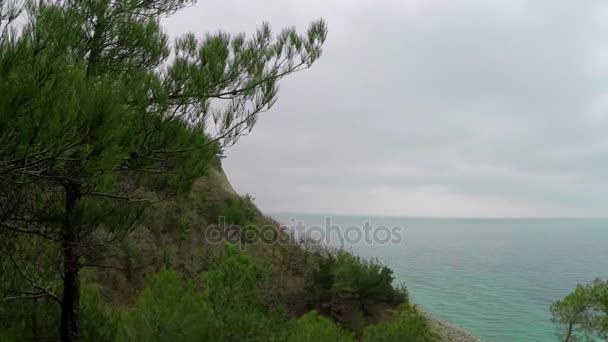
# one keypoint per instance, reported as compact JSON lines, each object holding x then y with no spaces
{"x":447,"y":331}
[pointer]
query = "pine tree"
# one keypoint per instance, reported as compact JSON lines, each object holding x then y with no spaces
{"x":96,"y":104}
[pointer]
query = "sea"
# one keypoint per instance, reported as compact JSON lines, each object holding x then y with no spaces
{"x":496,"y":278}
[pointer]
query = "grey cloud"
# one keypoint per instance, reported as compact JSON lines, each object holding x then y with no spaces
{"x":430,"y":108}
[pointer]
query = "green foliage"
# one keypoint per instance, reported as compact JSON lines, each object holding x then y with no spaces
{"x":169,"y":309}
{"x":99,"y":322}
{"x":233,"y":274}
{"x":583,"y":313}
{"x":233,"y":292}
{"x":38,"y":320}
{"x":313,"y":327}
{"x":228,"y":307}
{"x":93,"y":112}
{"x":345,"y":277}
{"x":30,"y":315}
{"x":28,"y":320}
{"x":240,"y":213}
{"x":367,"y":281}
{"x":320,"y":290}
{"x":408,"y":325}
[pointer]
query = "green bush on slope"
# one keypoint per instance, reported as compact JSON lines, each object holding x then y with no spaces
{"x":344,"y":279}
{"x":169,"y":309}
{"x":314,"y":327}
{"x":227,"y":306}
{"x":99,"y":322}
{"x":232,"y":301}
{"x":408,"y":325}
{"x":227,"y":309}
{"x":233,"y":292}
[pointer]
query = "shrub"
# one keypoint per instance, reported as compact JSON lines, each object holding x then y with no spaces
{"x":99,"y":322}
{"x":169,"y":309}
{"x":232,"y":285}
{"x":240,"y":212}
{"x":367,"y":281}
{"x":408,"y":325}
{"x":320,"y":290}
{"x":345,"y":277}
{"x":313,"y":327}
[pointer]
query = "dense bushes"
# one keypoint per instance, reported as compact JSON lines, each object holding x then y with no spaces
{"x":239,"y":213}
{"x":169,"y":309}
{"x":99,"y":322}
{"x":233,"y":290}
{"x":366,"y":281}
{"x":227,"y":304}
{"x":408,"y":325}
{"x":225,"y":308}
{"x":345,"y":279}
{"x":314,"y":327}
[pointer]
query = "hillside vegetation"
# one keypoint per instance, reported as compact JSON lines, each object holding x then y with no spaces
{"x":166,"y":281}
{"x":113,"y":203}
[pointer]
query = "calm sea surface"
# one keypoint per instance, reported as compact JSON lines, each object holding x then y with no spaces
{"x":494,"y":277}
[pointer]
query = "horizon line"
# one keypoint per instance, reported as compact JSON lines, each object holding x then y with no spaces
{"x":271,"y":213}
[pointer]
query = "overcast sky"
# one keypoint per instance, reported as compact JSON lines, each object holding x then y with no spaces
{"x":430,"y":108}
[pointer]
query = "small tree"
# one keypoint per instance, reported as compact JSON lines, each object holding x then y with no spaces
{"x":584,"y":312}
{"x":233,"y":287}
{"x":408,"y":325}
{"x":96,"y":104}
{"x":314,"y":327}
{"x":169,"y":309}
{"x":345,"y":278}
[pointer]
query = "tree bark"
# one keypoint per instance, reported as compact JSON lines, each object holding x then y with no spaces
{"x":569,"y":333}
{"x":70,"y":307}
{"x":34,"y":320}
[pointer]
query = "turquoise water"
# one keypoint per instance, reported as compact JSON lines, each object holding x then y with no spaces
{"x":494,"y":277}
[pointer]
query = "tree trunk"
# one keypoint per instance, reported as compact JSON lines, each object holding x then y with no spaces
{"x":70,"y":307}
{"x":569,"y":333}
{"x":34,"y":320}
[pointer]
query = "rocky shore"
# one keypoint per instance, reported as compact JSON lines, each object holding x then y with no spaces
{"x":450,"y":332}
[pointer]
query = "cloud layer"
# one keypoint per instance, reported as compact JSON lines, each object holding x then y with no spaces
{"x":430,"y":108}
